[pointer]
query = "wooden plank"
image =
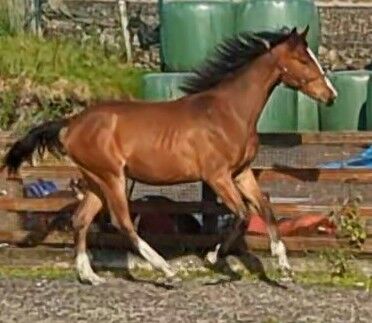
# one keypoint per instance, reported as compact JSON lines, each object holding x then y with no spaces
{"x":357,"y":175}
{"x":359,"y":138}
{"x":57,"y":204}
{"x":124,"y":27}
{"x":361,"y":175}
{"x":19,"y":204}
{"x":55,"y":171}
{"x":343,"y":4}
{"x":112,"y":240}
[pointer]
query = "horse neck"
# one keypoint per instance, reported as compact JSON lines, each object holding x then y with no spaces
{"x":250,"y":89}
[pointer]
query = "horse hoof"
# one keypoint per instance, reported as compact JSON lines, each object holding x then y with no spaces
{"x":93,"y":280}
{"x":287,"y":275}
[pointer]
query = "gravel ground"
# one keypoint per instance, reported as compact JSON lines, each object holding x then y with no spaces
{"x":119,"y":300}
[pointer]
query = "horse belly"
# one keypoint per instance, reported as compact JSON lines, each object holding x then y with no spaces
{"x":161,"y":168}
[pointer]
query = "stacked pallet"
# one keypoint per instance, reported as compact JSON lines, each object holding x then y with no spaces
{"x":292,"y":180}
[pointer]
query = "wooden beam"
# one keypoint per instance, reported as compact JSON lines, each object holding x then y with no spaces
{"x":357,"y":175}
{"x":54,"y":205}
{"x":20,"y":204}
{"x":124,"y":27}
{"x":358,"y":138}
{"x":54,"y":171}
{"x":361,"y":175}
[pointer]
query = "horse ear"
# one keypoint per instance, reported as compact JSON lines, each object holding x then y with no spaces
{"x":294,"y":31}
{"x":293,"y":38}
{"x":303,"y":34}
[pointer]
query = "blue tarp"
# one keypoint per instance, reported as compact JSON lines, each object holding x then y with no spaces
{"x":362,"y":160}
{"x":40,"y":188}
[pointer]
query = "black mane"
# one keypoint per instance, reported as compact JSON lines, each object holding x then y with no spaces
{"x":231,"y":55}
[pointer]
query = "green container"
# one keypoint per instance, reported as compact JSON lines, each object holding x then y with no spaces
{"x":307,"y":113}
{"x":349,"y":109}
{"x":369,"y":105}
{"x":259,"y":15}
{"x":280,"y":112}
{"x":162,"y":86}
{"x":191,"y":29}
{"x":286,"y":111}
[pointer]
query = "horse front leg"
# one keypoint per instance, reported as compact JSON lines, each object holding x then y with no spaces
{"x":258,"y":203}
{"x":224,"y":186}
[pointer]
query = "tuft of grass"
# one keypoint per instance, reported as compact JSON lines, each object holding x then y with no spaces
{"x":5,"y":23}
{"x":44,"y":79}
{"x":352,"y":279}
{"x":51,"y":273}
{"x":47,"y":60}
{"x":349,"y":222}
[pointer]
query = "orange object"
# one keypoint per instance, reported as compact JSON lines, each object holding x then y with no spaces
{"x":302,"y":225}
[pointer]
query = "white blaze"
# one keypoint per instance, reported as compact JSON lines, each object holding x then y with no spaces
{"x":315,"y":60}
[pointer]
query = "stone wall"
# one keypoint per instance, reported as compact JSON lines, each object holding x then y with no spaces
{"x":346,"y":36}
{"x":346,"y":28}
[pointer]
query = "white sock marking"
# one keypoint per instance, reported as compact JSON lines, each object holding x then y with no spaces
{"x":154,"y":258}
{"x":85,"y":271}
{"x":212,"y":256}
{"x":278,"y":249}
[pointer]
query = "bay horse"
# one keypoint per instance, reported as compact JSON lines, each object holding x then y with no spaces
{"x":209,"y":135}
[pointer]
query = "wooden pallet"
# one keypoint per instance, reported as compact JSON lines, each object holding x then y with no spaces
{"x":52,"y":206}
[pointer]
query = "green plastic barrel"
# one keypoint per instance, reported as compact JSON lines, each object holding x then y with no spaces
{"x":280,"y":112}
{"x":162,"y":86}
{"x":191,"y":29}
{"x":259,"y":15}
{"x":349,"y":109}
{"x":307,"y":113}
{"x":286,"y":110}
{"x":369,"y":105}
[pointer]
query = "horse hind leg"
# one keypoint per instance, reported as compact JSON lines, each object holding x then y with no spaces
{"x":83,"y":217}
{"x":113,"y":188}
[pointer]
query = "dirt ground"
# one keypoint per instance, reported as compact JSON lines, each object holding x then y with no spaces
{"x":119,"y":300}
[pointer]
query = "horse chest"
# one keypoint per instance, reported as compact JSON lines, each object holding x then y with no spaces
{"x":247,"y":154}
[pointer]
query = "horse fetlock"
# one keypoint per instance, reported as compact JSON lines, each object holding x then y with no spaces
{"x":91,"y":279}
{"x":169,"y":272}
{"x":278,"y":249}
{"x":212,"y":256}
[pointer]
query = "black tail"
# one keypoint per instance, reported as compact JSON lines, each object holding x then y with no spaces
{"x":45,"y":136}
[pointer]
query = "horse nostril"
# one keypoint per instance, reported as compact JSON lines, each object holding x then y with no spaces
{"x":330,"y":101}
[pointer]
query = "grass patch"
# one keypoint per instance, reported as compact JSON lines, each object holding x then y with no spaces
{"x":44,"y":79}
{"x":46,"y":61}
{"x":51,"y":273}
{"x":352,"y":279}
{"x":5,"y":23}
{"x":349,"y":280}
